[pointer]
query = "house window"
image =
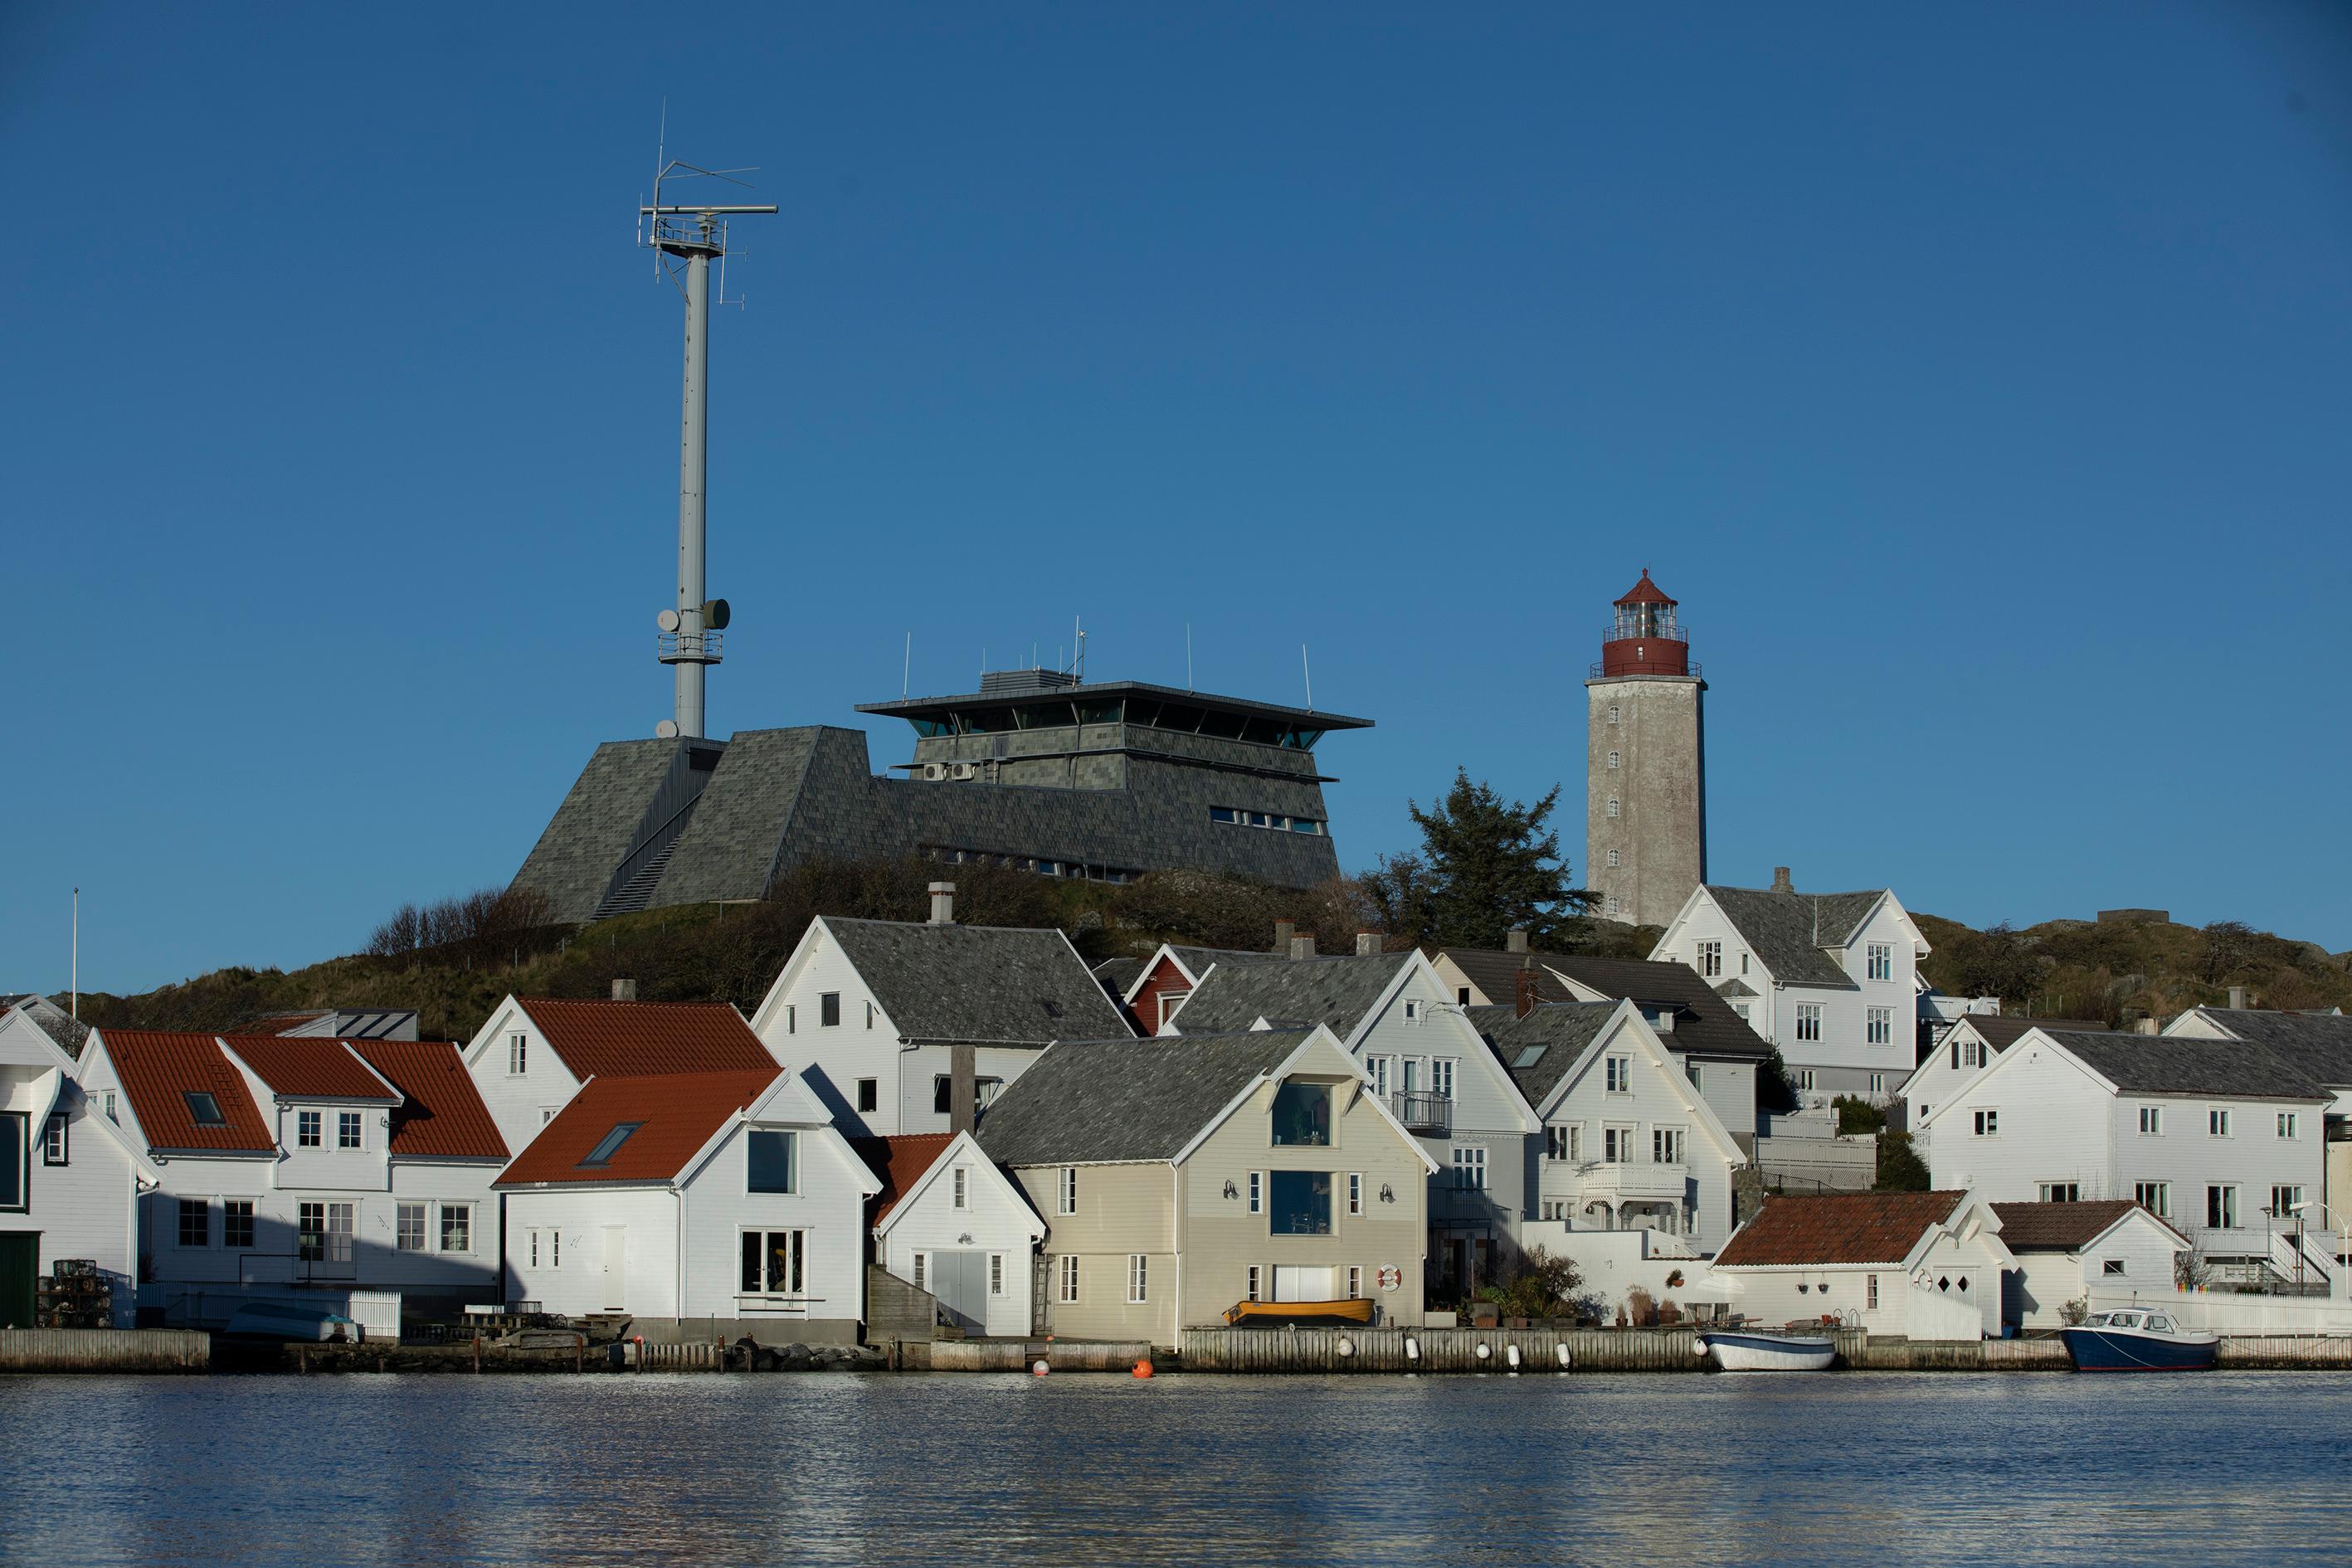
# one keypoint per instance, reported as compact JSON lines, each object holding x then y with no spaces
{"x":1613,"y":857}
{"x":324,"y":1232}
{"x":961,"y":1179}
{"x":1612,"y":760}
{"x":2217,"y":1123}
{"x":1809,"y":1021}
{"x":1302,"y":1113}
{"x":310,"y":1129}
{"x":1065,"y":1199}
{"x":1412,"y":1009}
{"x":983,"y":1092}
{"x":1469,"y":1169}
{"x":1138,"y":1267}
{"x":1710,"y":958}
{"x":2284,"y":1201}
{"x":1988,"y":1123}
{"x":1170,"y":1001}
{"x":1870,"y":1291}
{"x":2155,"y":1197}
{"x":1878,"y":1025}
{"x":518,"y":1055}
{"x":828,"y":1010}
{"x":775,"y":1263}
{"x":1301,"y":1201}
{"x":1556,"y":1143}
{"x":610,"y":1144}
{"x":1355,"y":1282}
{"x":996,"y":1274}
{"x":1441,"y":1077}
{"x":1613,"y":712}
{"x":771,"y":1161}
{"x":1691,"y":1071}
{"x":196,"y":1222}
{"x":2285,"y":1127}
{"x":1617,"y":1145}
{"x":1666,"y":1146}
{"x":110,"y":1115}
{"x":1878,"y":1083}
{"x":237,"y":1224}
{"x":2062,"y":1191}
{"x":2111,"y":1266}
{"x":1805,"y":1079}
{"x":869,"y":1015}
{"x":457,"y":1227}
{"x":1069,"y":1280}
{"x":1555,"y":1208}
{"x":2222,"y":1208}
{"x":922,"y":1280}
{"x":1256,"y":1291}
{"x":53,"y":1141}
{"x":1619,"y":1071}
{"x":408,"y":1230}
{"x":1881,"y":958}
{"x":1257,"y":1191}
{"x":792,"y":1019}
{"x":1380,"y":1069}
{"x":1740,"y":1008}
{"x":2151,"y":1121}
{"x":1356,"y":1193}
{"x":347,"y":1130}
{"x":1612,"y":806}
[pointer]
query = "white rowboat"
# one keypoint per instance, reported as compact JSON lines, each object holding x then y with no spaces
{"x":1744,"y":1351}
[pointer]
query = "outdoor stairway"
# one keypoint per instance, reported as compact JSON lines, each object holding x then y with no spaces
{"x":636,"y":892}
{"x":2318,"y":1271}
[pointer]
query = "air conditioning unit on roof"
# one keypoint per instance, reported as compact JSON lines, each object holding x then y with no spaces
{"x":934,"y":772}
{"x":964,"y":771}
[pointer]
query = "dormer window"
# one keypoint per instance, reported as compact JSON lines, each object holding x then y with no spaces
{"x":1302,"y":1113}
{"x":610,"y":1144}
{"x":203,"y":1109}
{"x":1412,"y":1009}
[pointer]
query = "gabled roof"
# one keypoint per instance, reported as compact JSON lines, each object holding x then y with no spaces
{"x":901,"y":1162}
{"x":1704,"y":1023}
{"x":2002,"y":1030}
{"x":159,"y":1069}
{"x":1119,"y":975}
{"x":2182,"y":1064}
{"x":2064,"y":1227}
{"x":980,"y":983}
{"x":1542,"y":1048}
{"x":1496,"y":974}
{"x":443,"y":1116}
{"x":1100,"y":1101}
{"x":1337,"y":992}
{"x":2320,"y":1044}
{"x":635,"y":1039}
{"x":1788,"y":931}
{"x":1838,"y":1228}
{"x":676,"y":1113}
{"x":294,"y":1069}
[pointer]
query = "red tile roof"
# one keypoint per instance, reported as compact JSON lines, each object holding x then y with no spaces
{"x":676,"y":1113}
{"x":1841,"y":1227}
{"x":159,"y":1069}
{"x":307,"y":1069}
{"x":901,"y":1162}
{"x":2060,"y":1227}
{"x":279,"y":1023}
{"x":443,"y":1117}
{"x":637,"y":1039}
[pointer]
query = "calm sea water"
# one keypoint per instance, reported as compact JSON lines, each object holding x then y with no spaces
{"x":1844,"y":1468}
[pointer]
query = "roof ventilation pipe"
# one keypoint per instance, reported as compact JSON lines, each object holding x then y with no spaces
{"x":943,"y":904}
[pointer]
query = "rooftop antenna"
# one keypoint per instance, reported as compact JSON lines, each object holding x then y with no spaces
{"x":1078,"y":634}
{"x":907,"y":681}
{"x":684,"y":237}
{"x":1188,"y":657}
{"x":1309,"y":674}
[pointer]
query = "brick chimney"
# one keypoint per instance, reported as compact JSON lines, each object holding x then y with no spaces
{"x":1368,"y":945}
{"x":1527,"y":996}
{"x":1780,"y":883}
{"x":1283,"y":931}
{"x":625,"y":990}
{"x":1516,"y":940}
{"x":963,"y":1088}
{"x":1303,"y":946}
{"x":943,"y":904}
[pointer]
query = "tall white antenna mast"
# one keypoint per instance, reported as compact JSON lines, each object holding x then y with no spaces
{"x":684,"y":238}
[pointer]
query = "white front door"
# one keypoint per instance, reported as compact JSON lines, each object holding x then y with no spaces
{"x":1296,"y":1284}
{"x":616,"y":1268}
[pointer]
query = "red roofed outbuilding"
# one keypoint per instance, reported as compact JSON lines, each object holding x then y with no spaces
{"x":951,"y":1220}
{"x":1928,"y":1265}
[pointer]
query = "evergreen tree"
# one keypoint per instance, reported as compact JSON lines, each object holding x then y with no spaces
{"x":1486,"y":865}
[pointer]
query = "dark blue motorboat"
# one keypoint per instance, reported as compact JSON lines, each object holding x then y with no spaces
{"x":2137,"y":1341}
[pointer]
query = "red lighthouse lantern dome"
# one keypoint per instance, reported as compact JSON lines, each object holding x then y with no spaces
{"x":1646,"y":636}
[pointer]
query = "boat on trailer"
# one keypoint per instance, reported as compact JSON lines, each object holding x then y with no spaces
{"x":1748,"y":1349}
{"x":2138,"y":1341}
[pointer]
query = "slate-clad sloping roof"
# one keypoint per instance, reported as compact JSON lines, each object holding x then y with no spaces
{"x":1844,"y":1227}
{"x":590,"y":834}
{"x":1704,"y":1025}
{"x":1781,"y":927}
{"x":618,"y":1039}
{"x":676,"y":1113}
{"x":2180,"y":1064}
{"x":2060,"y":1227}
{"x":160,"y":1069}
{"x":1116,"y":974}
{"x":1097,"y":1102}
{"x":442,"y":1116}
{"x":1496,"y":974}
{"x":2318,"y":1043}
{"x":1539,"y":1049}
{"x":1337,"y":992}
{"x":308,"y":1068}
{"x":1199,"y":961}
{"x":2001,"y":1030}
{"x":980,"y":983}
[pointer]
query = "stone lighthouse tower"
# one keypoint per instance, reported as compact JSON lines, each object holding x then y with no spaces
{"x":1645,"y":763}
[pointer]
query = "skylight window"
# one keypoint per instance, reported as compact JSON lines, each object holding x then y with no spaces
{"x":203,"y":1109}
{"x":1529,"y":1057}
{"x":610,"y":1144}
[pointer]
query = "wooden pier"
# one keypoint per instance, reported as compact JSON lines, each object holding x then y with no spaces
{"x":1441,"y":1350}
{"x":105,"y":1349}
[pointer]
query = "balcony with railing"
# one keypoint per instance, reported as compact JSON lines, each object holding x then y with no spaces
{"x":1424,"y":1114}
{"x":1624,"y":1181}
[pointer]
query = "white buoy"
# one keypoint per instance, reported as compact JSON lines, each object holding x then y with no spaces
{"x":1483,"y":1352}
{"x":1038,"y":1368}
{"x":1699,"y":1348}
{"x":1561,"y":1352}
{"x":1413,"y":1350}
{"x":1347,"y":1346}
{"x":1511,"y":1354}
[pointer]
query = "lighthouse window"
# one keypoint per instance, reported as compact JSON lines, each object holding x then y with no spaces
{"x":1613,"y":712}
{"x":1613,"y":857}
{"x":1612,"y":806}
{"x":1613,"y":758}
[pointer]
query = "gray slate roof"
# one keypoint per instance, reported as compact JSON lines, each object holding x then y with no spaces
{"x":592,"y":830}
{"x":2001,"y":1030}
{"x":1540,"y":1049}
{"x":1199,"y":961}
{"x":1704,"y":1025}
{"x":1117,"y":974}
{"x":1496,"y":974}
{"x":980,"y":983}
{"x":1781,"y":929}
{"x":2178,"y":1064}
{"x":2320,"y":1044}
{"x":1092,"y":1101}
{"x":1337,"y":992}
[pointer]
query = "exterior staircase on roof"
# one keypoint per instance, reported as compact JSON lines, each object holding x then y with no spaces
{"x":637,"y":892}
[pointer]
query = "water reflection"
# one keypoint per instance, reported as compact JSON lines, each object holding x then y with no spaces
{"x":1835,"y":1469}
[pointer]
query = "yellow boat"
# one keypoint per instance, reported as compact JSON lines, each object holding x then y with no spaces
{"x":1357,"y":1310}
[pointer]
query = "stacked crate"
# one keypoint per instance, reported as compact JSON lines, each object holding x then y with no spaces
{"x":74,"y":1296}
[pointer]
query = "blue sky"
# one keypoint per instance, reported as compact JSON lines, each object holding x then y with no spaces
{"x":1978,"y":379}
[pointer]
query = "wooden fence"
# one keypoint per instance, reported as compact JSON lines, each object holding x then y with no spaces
{"x":1020,"y":1356}
{"x":105,"y":1349}
{"x":1441,"y":1350}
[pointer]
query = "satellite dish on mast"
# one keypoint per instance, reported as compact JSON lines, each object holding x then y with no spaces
{"x":667,"y":620}
{"x":716,"y":615}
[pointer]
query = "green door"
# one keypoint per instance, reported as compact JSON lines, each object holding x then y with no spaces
{"x":20,"y":1260}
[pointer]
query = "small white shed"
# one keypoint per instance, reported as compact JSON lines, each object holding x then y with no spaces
{"x":2064,"y":1251}
{"x":949,"y":1221}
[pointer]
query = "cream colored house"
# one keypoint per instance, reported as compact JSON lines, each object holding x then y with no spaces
{"x":1182,"y":1175}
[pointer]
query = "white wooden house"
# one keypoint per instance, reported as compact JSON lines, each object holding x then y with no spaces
{"x":1433,"y":1071}
{"x":1968,"y":1046}
{"x":2223,"y":1139}
{"x":302,"y":1168}
{"x":2064,"y":1251}
{"x":69,"y":1179}
{"x":1925,"y":1266}
{"x":950,"y":1221}
{"x":875,"y":1012}
{"x":1628,"y":1142}
{"x":2320,"y":1045}
{"x":715,"y":1205}
{"x":1830,"y":978}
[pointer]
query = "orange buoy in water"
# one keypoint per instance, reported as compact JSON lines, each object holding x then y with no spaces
{"x":1143,"y":1368}
{"x":1037,"y":1369}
